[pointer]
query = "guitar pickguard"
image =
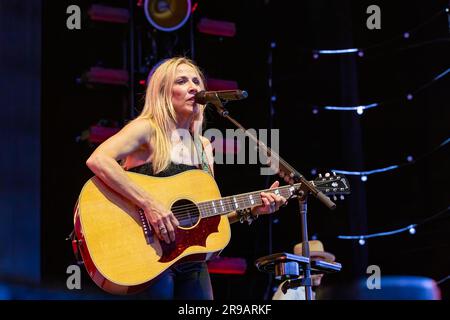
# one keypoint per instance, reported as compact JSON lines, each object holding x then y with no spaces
{"x":185,"y":238}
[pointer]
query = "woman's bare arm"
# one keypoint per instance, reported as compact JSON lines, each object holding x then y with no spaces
{"x":103,"y":162}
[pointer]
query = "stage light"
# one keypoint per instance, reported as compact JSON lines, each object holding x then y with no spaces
{"x":194,"y":7}
{"x":167,"y":15}
{"x":360,"y":110}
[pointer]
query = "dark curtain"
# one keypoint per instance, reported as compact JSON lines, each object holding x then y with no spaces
{"x":20,"y":91}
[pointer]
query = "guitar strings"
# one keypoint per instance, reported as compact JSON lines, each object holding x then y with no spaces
{"x":188,"y":210}
{"x":228,"y":200}
{"x":225,"y":201}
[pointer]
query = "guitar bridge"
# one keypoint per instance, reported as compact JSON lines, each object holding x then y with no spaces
{"x":148,"y":234}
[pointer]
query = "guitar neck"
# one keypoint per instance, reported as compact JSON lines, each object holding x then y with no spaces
{"x":241,"y":201}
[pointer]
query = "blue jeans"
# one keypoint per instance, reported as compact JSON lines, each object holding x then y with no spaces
{"x":186,"y":281}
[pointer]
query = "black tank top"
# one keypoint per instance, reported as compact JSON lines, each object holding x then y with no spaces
{"x":175,"y":168}
{"x":172,"y":169}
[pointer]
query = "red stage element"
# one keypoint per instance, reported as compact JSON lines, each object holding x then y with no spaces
{"x":194,"y":7}
{"x":98,"y":134}
{"x":220,"y":84}
{"x":217,"y":28}
{"x":107,"y":76}
{"x":227,"y":265}
{"x":103,"y":13}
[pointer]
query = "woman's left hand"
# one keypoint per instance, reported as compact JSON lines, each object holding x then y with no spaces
{"x":271,"y":201}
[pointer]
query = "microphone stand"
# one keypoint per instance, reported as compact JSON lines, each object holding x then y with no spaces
{"x":302,"y":192}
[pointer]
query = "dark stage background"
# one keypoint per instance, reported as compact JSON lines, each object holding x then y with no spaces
{"x":284,"y":32}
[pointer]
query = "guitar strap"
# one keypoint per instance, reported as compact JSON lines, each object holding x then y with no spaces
{"x":75,"y":247}
{"x":202,"y":155}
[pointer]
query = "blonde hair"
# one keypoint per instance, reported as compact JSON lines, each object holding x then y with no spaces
{"x":159,"y":110}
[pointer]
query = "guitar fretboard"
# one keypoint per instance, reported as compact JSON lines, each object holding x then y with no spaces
{"x":241,"y":201}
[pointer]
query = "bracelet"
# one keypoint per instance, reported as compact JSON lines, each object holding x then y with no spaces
{"x":246,"y":215}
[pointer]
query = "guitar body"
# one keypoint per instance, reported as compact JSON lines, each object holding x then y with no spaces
{"x":119,"y":256}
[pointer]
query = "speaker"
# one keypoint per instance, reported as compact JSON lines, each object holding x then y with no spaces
{"x":167,"y":15}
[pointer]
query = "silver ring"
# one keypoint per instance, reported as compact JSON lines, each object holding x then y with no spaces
{"x":162,"y":228}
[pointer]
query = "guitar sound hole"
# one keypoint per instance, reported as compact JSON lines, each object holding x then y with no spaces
{"x":186,"y":212}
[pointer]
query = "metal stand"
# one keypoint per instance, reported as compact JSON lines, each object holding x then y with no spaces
{"x":305,"y":189}
{"x":290,"y":268}
{"x":303,"y":205}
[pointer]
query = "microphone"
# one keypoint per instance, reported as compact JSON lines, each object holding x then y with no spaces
{"x":203,"y":97}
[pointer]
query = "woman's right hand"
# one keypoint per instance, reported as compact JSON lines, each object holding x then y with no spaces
{"x":162,"y":220}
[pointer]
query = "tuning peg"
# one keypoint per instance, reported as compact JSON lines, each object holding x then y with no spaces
{"x":320,"y":175}
{"x":342,"y":197}
{"x":327,"y":175}
{"x":334,"y":173}
{"x":334,"y":198}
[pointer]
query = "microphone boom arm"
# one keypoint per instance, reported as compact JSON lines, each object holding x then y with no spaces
{"x":305,"y":189}
{"x":306,"y":186}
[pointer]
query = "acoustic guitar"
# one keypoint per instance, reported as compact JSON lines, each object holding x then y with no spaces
{"x":118,"y":248}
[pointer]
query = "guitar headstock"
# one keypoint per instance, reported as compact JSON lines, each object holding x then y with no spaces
{"x":332,"y":185}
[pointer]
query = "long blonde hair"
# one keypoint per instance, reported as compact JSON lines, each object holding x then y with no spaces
{"x":159,"y":110}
